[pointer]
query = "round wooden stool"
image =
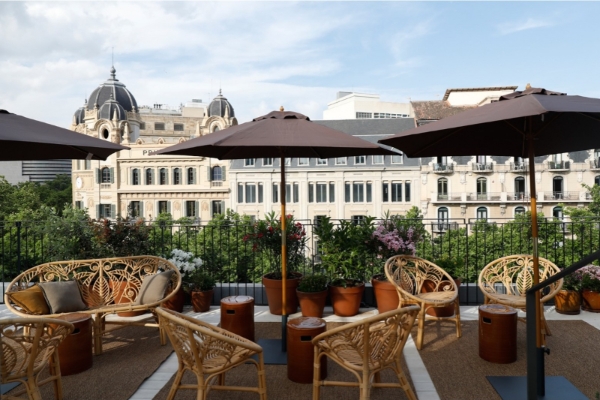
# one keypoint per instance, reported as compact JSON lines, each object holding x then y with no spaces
{"x":237,"y":315}
{"x":498,"y":333}
{"x":300,"y":350}
{"x":76,"y":351}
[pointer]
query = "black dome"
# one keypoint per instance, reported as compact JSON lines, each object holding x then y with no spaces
{"x":115,"y":88}
{"x":219,"y":105}
{"x":79,"y":115}
{"x":107,"y":110}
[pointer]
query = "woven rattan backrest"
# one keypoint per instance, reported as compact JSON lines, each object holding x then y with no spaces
{"x":514,"y":275}
{"x":28,"y":344}
{"x":409,"y":274}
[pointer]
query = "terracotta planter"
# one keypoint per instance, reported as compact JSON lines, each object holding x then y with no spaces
{"x":176,"y":302}
{"x":312,"y":303}
{"x":591,"y":301}
{"x":567,"y":302}
{"x":273,"y":287}
{"x":123,"y":294}
{"x":446,"y":311}
{"x":201,"y":300}
{"x":385,"y":295}
{"x":346,"y":301}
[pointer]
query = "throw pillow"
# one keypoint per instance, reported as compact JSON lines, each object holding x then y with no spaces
{"x":154,"y":287}
{"x":31,"y":300}
{"x":63,"y":296}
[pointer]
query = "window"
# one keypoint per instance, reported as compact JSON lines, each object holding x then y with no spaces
{"x":218,"y":207}
{"x":142,"y":126}
{"x":260,"y":193}
{"x":363,"y":115}
{"x":360,"y":160}
{"x":296,"y":191}
{"x":88,"y":164}
{"x":176,"y":176}
{"x":321,"y":194}
{"x":557,"y":212}
{"x":163,"y":207}
{"x":240,"y":193}
{"x":347,"y":192}
{"x":216,"y":174}
{"x":321,"y":161}
{"x":481,"y":159}
{"x":442,"y":215}
{"x":215,"y":129}
{"x":159,"y":126}
{"x":267,"y":162}
{"x":302,"y":161}
{"x":340,"y":161}
{"x":331,"y":192}
{"x":149,"y":176}
{"x":398,"y":159}
{"x":178,"y":127}
{"x":358,"y":192}
{"x":191,"y":176}
{"x":357,"y":219}
{"x":378,"y":159}
{"x":249,"y":162}
{"x":79,"y":204}
{"x":250,"y":193}
{"x":106,"y":175}
{"x":190,"y":208}
{"x":442,"y":189}
{"x":389,"y":115}
{"x":275,"y":193}
{"x":557,"y":187}
{"x":288,"y":162}
{"x":481,"y":189}
{"x":135,"y":177}
{"x":442,"y":160}
{"x":519,"y":210}
{"x":396,"y":191}
{"x":385,"y":192}
{"x":163,"y":176}
{"x":135,"y":209}
{"x":311,"y":192}
{"x":519,"y":188}
{"x":105,"y":211}
{"x":597,"y":180}
{"x":482,"y":213}
{"x":406,"y":191}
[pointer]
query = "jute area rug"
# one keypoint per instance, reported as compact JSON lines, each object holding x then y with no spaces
{"x":458,"y":372}
{"x":131,"y":354}
{"x":278,"y":384}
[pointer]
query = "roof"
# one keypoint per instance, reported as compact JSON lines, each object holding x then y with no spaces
{"x":436,"y":109}
{"x":480,"y":89}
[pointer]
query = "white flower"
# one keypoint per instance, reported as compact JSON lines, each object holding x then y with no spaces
{"x":185,"y":261}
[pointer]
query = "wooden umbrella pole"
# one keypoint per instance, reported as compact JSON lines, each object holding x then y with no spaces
{"x":534,"y":234}
{"x":283,"y":258}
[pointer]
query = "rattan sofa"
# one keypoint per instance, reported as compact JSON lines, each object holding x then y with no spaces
{"x":102,"y":283}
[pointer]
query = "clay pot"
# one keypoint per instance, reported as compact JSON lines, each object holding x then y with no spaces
{"x":385,"y":295}
{"x":591,"y":300}
{"x":176,"y":302}
{"x":123,"y":294}
{"x":446,"y":311}
{"x":312,"y":304}
{"x":567,"y":302}
{"x":346,"y":301}
{"x":201,"y":300}
{"x":273,"y":287}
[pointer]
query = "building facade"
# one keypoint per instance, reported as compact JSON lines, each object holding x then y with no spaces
{"x":136,"y":183}
{"x":350,"y":105}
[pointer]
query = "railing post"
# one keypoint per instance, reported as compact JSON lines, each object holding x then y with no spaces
{"x":18,"y":224}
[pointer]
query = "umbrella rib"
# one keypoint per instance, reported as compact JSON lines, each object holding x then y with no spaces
{"x":590,"y":116}
{"x":548,"y":123}
{"x":444,"y":137}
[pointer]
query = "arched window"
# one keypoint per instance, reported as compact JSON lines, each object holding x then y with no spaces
{"x":163,"y":176}
{"x":105,"y":175}
{"x":482,"y":213}
{"x":557,"y":212}
{"x":519,"y":188}
{"x":217,"y":174}
{"x":481,"y":189}
{"x":216,"y":129}
{"x":597,"y":180}
{"x":443,"y":189}
{"x":557,"y":187}
{"x":442,"y":215}
{"x":519,"y":210}
{"x":135,"y":177}
{"x":191,"y":176}
{"x":176,"y":176}
{"x":149,"y":176}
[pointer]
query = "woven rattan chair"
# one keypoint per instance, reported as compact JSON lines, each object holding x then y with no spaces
{"x":365,"y":348}
{"x":421,"y":282}
{"x":28,"y":346}
{"x":507,"y":279}
{"x":209,"y":352}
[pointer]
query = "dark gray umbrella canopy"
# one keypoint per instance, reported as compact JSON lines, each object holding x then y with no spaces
{"x":22,"y":138}
{"x":559,"y":124}
{"x":279,"y":133}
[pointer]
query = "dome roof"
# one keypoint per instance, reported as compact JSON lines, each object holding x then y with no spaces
{"x":118,"y":91}
{"x":79,"y":115}
{"x":219,"y":105}
{"x":107,"y":110}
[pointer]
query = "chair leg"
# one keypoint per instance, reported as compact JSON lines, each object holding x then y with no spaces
{"x":97,"y":333}
{"x":421,"y":328}
{"x":33,"y":391}
{"x":176,"y":383}
{"x":404,"y":382}
{"x":316,"y":375}
{"x":262,"y":380}
{"x":365,"y":386}
{"x":163,"y":336}
{"x":457,"y":318}
{"x":54,"y":368}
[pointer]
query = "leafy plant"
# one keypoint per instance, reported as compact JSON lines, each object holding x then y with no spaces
{"x":313,"y":283}
{"x":454,"y":266}
{"x":200,"y":281}
{"x":572,"y":282}
{"x":589,"y":277}
{"x":186,"y":263}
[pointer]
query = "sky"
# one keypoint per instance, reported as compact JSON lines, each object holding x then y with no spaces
{"x":264,"y":55}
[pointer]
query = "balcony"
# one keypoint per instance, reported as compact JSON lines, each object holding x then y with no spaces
{"x":518,"y":167}
{"x":595,"y":164}
{"x":443,"y":226}
{"x":441,"y":168}
{"x":483,"y":167}
{"x":559,"y":165}
{"x":563,"y":196}
{"x":517,"y":196}
{"x":449,"y":196}
{"x":489,"y":196}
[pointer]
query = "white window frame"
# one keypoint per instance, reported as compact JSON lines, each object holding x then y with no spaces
{"x":249,"y":162}
{"x":398,"y":158}
{"x":267,"y":162}
{"x":303,"y":161}
{"x":378,"y":160}
{"x":322,"y":161}
{"x":360,"y":160}
{"x":341,"y":161}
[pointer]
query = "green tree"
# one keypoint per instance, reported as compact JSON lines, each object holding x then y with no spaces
{"x":56,"y":193}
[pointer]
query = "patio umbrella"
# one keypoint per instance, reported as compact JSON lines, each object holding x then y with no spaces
{"x":278,"y":134}
{"x":529,"y":123}
{"x":22,"y":138}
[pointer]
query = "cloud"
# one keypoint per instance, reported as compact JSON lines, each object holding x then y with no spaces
{"x":531,"y":23}
{"x":402,"y":42}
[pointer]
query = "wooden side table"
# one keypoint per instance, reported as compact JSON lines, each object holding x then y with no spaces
{"x":76,"y":351}
{"x":498,"y":333}
{"x":301,"y":353}
{"x":237,"y":315}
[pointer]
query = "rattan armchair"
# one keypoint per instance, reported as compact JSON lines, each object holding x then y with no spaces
{"x":28,"y":346}
{"x":421,"y":282}
{"x":365,"y":348}
{"x":507,"y":279}
{"x":209,"y":352}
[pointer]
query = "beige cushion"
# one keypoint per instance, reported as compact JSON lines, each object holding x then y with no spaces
{"x":63,"y":296}
{"x":31,"y":300}
{"x":154,"y":287}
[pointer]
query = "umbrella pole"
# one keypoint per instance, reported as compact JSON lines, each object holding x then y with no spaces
{"x":284,"y":316}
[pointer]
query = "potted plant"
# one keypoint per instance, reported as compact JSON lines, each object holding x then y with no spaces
{"x":455,"y":267}
{"x":568,"y":299}
{"x":392,"y":236}
{"x":266,"y":241}
{"x":345,"y":255}
{"x":186,"y":263}
{"x":590,"y":287}
{"x":312,"y":294}
{"x":201,"y":287}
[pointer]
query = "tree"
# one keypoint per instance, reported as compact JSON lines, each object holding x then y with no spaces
{"x":56,"y":193}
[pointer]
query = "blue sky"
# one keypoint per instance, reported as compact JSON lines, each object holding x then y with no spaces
{"x":295,"y":54}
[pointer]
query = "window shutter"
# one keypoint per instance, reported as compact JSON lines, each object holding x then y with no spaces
{"x":98,"y":177}
{"x":211,"y":209}
{"x":98,"y":211}
{"x":240,"y":193}
{"x":260,"y":193}
{"x":208,"y":170}
{"x":332,"y":192}
{"x":78,"y":164}
{"x":196,"y":209}
{"x":166,"y":177}
{"x":113,"y":211}
{"x":194,"y":176}
{"x":222,"y":207}
{"x":224,"y":173}
{"x":169,"y":207}
{"x":141,"y":209}
{"x":112,"y":175}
